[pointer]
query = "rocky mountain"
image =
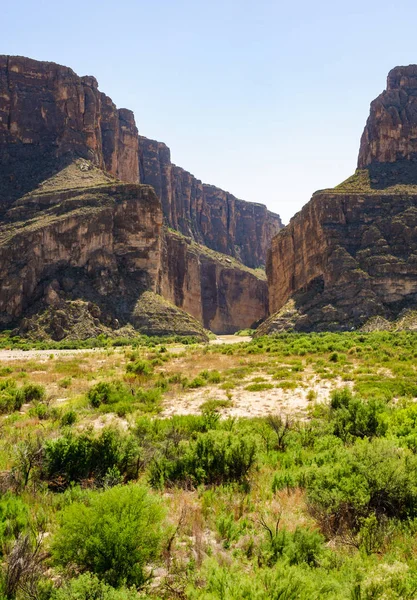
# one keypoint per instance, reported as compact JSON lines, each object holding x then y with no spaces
{"x":351,"y":252}
{"x":82,"y":238}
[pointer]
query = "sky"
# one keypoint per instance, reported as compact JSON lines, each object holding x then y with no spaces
{"x":264,"y":99}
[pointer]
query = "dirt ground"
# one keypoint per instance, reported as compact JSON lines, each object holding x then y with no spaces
{"x":239,"y":401}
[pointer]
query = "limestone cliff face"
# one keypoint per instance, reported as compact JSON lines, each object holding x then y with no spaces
{"x":206,"y":213}
{"x":70,"y":230}
{"x":48,"y":116}
{"x":215,"y":289}
{"x":351,"y":252}
{"x":100,"y":244}
{"x":390,"y":133}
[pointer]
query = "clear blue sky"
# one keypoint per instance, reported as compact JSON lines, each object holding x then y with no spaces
{"x":264,"y":99}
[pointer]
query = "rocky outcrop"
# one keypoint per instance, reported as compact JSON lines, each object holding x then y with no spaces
{"x":351,"y":252}
{"x":390,"y":133}
{"x":217,"y":290}
{"x":49,"y":116}
{"x":79,"y":261}
{"x":207,"y":214}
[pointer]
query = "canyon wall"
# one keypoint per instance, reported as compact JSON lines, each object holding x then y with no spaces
{"x":351,"y":252}
{"x":48,"y":117}
{"x":205,"y":213}
{"x":215,"y":289}
{"x":71,"y":231}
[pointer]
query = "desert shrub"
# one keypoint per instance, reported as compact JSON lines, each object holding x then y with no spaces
{"x":297,"y":547}
{"x":259,"y":387}
{"x":214,"y":457}
{"x":353,"y":417}
{"x":14,"y":518}
{"x":89,"y":587}
{"x":114,"y":534}
{"x":281,"y":582}
{"x":140,"y":367}
{"x":371,"y":477}
{"x":68,"y":418}
{"x":211,"y":376}
{"x":32,"y":392}
{"x":195,"y":383}
{"x":11,"y":397}
{"x":73,"y":457}
{"x":43,"y":411}
{"x":109,"y":393}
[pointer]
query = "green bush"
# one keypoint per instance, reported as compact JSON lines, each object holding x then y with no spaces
{"x":89,"y":587}
{"x":14,"y":518}
{"x":371,"y":477}
{"x":68,"y":418}
{"x":300,"y":546}
{"x":353,"y":417}
{"x":75,"y":457}
{"x":140,"y":367}
{"x":115,"y":534}
{"x":32,"y":392}
{"x":11,"y":398}
{"x":109,"y":393}
{"x":214,"y":457}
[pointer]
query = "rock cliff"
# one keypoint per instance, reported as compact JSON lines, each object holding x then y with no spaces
{"x":48,"y":117}
{"x":73,"y":237}
{"x":351,"y":252}
{"x":97,"y":244}
{"x":217,"y":290}
{"x":207,"y":214}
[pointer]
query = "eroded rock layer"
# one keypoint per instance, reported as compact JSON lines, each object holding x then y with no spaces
{"x":205,"y":213}
{"x":351,"y":252}
{"x":86,"y":258}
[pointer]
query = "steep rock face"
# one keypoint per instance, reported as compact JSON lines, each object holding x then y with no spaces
{"x":48,"y":116}
{"x":390,"y":133}
{"x":206,"y":213}
{"x":101,"y":244}
{"x":345,"y":258}
{"x":351,"y":252}
{"x":215,"y":289}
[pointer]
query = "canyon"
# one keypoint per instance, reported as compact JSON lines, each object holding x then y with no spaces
{"x":98,"y":226}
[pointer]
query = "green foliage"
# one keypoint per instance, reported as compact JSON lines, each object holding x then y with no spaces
{"x":14,"y":519}
{"x":259,"y":387}
{"x":115,"y":534}
{"x":298,"y":547}
{"x":89,"y":587}
{"x":353,"y":417}
{"x":214,"y":457}
{"x":11,"y":398}
{"x":32,"y":392}
{"x":371,"y":477}
{"x":108,"y":393}
{"x":140,"y":367}
{"x":74,"y":457}
{"x":68,"y":418}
